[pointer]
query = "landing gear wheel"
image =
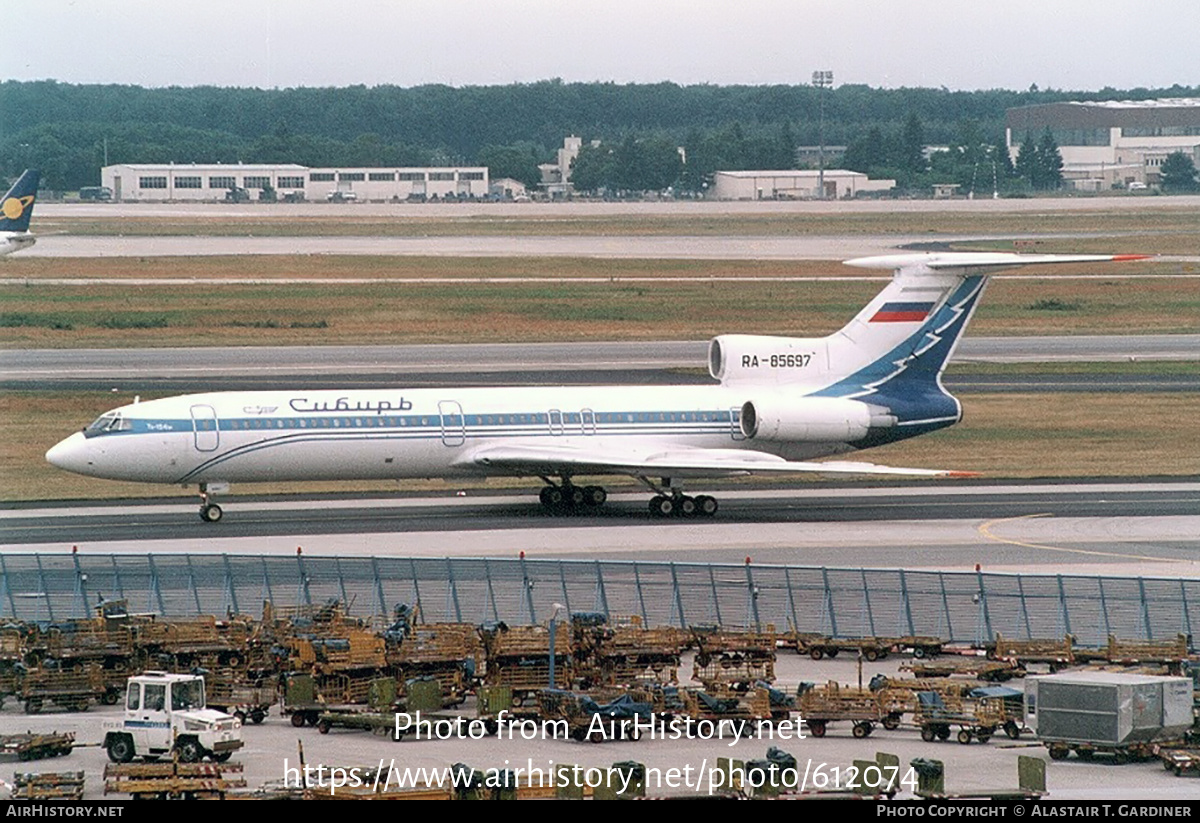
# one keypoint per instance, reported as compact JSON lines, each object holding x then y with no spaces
{"x":662,"y":506}
{"x":210,"y":512}
{"x":594,"y":496}
{"x":706,"y":506}
{"x":687,"y":506}
{"x":574,"y":496}
{"x":555,"y":499}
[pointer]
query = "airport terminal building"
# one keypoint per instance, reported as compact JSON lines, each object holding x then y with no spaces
{"x":1112,"y":143}
{"x":145,"y":182}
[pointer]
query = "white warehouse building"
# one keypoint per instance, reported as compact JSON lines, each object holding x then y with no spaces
{"x":157,"y":182}
{"x":788,"y":184}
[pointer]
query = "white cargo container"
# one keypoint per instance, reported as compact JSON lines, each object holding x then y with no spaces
{"x":1108,"y":712}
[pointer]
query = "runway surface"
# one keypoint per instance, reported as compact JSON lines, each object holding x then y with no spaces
{"x":1147,"y":528}
{"x":828,"y":247}
{"x":680,"y":247}
{"x":583,"y":208}
{"x":502,"y":363}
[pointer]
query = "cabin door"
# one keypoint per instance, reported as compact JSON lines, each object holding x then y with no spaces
{"x":454,"y":427}
{"x":735,"y":424}
{"x":205,"y":429}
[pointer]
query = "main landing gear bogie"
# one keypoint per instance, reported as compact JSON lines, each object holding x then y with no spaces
{"x":569,"y":498}
{"x":681,"y":505}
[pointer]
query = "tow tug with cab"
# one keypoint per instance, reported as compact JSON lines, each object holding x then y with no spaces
{"x":166,"y":714}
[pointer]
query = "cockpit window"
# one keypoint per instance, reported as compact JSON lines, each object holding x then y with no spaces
{"x":107,"y":423}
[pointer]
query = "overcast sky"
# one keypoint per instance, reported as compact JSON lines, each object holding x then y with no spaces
{"x":960,"y":44}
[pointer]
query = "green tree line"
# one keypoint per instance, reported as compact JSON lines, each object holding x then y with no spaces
{"x":68,"y":129}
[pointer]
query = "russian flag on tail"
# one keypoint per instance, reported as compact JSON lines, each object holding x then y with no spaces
{"x":902,"y":313}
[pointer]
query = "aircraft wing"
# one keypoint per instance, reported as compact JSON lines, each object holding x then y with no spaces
{"x":671,"y":462}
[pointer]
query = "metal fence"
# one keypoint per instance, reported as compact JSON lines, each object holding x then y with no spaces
{"x":967,"y":607}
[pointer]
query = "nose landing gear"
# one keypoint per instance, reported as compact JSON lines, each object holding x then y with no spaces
{"x":209,"y":512}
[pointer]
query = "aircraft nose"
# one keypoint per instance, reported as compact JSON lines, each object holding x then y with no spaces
{"x":70,"y":454}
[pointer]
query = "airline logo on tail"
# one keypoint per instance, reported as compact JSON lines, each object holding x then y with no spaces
{"x":14,"y":207}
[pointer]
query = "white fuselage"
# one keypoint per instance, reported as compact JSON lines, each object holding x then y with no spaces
{"x":384,"y":434}
{"x":781,"y":402}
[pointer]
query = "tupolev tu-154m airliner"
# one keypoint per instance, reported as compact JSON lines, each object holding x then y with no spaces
{"x":780,"y":404}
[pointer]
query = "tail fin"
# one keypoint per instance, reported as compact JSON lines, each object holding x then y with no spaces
{"x":892,"y":354}
{"x":894,"y":351}
{"x":17,"y":206}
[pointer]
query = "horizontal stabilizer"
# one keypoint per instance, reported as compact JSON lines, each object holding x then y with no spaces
{"x":939,"y":261}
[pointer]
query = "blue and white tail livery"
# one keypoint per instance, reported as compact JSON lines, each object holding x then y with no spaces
{"x":780,"y":404}
{"x":16,"y":210}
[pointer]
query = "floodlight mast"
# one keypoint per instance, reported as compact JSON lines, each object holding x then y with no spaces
{"x":821,"y":80}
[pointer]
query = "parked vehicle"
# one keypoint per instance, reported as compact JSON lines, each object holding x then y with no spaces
{"x":166,"y":713}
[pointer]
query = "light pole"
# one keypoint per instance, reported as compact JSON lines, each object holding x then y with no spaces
{"x":821,"y":80}
{"x":558,"y":607}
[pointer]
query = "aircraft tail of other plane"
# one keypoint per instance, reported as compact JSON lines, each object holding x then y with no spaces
{"x":16,"y":208}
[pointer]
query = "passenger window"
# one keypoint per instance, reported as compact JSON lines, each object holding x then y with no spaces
{"x":133,"y":700}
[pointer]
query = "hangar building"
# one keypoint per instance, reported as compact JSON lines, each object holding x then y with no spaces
{"x":1112,"y":143}
{"x":789,"y":184}
{"x":173,"y":181}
